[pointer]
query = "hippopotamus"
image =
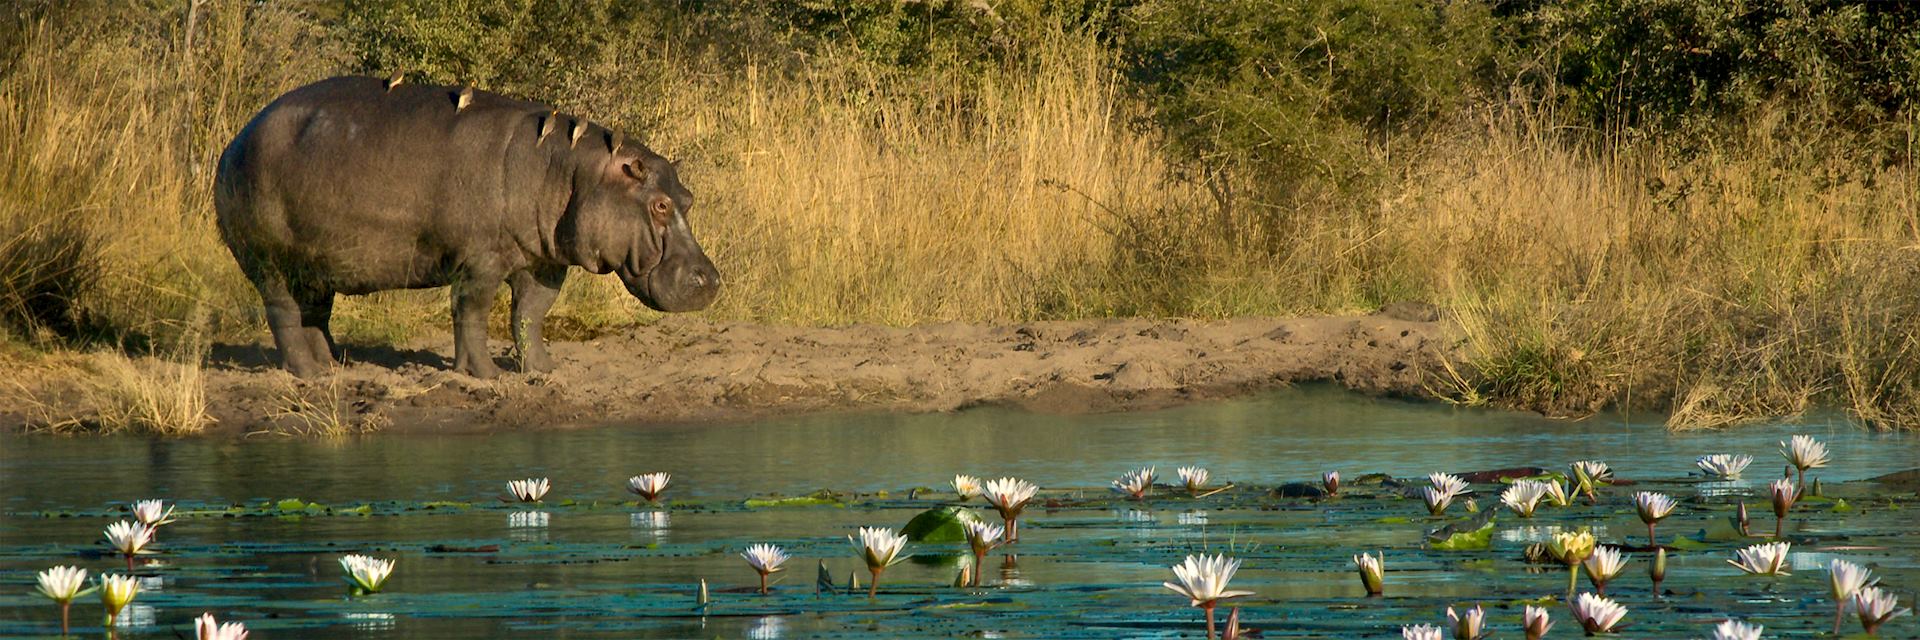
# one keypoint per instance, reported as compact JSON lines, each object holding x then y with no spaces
{"x":353,"y":185}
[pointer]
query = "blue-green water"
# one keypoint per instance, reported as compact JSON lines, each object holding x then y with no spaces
{"x":590,"y":564}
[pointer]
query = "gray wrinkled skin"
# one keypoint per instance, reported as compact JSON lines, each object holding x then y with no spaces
{"x":346,"y":186}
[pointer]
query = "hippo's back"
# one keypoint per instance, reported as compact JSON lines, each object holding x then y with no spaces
{"x":369,"y":186}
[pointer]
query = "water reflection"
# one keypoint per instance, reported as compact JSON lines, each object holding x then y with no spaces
{"x":370,"y":621}
{"x":768,"y":628}
{"x":528,"y":526}
{"x":1194,"y":518}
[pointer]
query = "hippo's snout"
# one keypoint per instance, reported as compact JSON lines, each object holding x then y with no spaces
{"x":681,"y":285}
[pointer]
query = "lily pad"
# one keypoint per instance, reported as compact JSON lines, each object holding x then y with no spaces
{"x":1474,"y":540}
{"x":942,"y":524}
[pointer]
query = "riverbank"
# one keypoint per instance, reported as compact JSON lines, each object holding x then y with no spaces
{"x":687,"y":369}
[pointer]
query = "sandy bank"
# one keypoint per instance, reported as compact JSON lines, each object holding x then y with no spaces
{"x":685,"y":369}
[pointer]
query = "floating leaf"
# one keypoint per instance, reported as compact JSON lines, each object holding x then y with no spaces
{"x":941,"y":524}
{"x":1477,"y":539}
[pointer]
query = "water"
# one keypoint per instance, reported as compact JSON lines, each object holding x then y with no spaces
{"x":589,"y":564}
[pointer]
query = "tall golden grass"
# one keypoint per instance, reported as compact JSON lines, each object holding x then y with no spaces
{"x":1749,"y":281}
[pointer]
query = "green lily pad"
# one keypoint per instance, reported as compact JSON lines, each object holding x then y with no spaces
{"x":941,"y":524}
{"x":1475,"y":540}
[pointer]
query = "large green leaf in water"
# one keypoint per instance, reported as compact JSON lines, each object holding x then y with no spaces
{"x":943,"y":524}
{"x":1467,"y":540}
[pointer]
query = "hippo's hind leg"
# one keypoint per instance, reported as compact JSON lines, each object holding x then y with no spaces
{"x":299,"y":324}
{"x":534,"y":291}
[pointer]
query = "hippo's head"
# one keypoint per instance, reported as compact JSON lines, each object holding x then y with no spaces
{"x":639,"y":212}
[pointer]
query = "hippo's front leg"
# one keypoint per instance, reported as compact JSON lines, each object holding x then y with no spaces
{"x":472,"y":299}
{"x":534,"y":290}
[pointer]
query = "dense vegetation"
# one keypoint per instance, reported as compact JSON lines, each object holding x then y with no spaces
{"x":1695,"y":206}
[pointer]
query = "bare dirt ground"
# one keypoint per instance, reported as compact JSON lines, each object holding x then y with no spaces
{"x":688,"y":369}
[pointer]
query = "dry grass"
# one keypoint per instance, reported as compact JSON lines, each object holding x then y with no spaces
{"x":1744,"y":282}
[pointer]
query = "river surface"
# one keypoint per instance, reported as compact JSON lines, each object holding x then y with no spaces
{"x":265,"y":521}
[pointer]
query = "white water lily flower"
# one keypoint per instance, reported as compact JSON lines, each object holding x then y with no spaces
{"x":529,"y":490}
{"x":1723,"y":466}
{"x":1768,"y":559}
{"x":1420,"y":632}
{"x":1194,"y":478}
{"x":1875,"y":607}
{"x":983,"y":536}
{"x":765,"y":559}
{"x":365,"y":573}
{"x":1009,"y":496}
{"x":1557,"y":493}
{"x":649,"y":485}
{"x":1596,"y":613}
{"x":1437,"y":499}
{"x":1846,"y":578}
{"x":1135,"y":483}
{"x":1468,"y":626}
{"x":130,"y":538}
{"x":966,"y":486}
{"x":1653,"y":507}
{"x":1735,"y":630}
{"x":1603,"y":566}
{"x":879,"y":546}
{"x":1447,"y":482}
{"x":63,"y":584}
{"x":152,"y":513}
{"x":116,"y":592}
{"x":206,"y":628}
{"x":1204,"y":579}
{"x":1536,"y":622}
{"x":1373,"y":571}
{"x":1524,"y":497}
{"x":1804,"y":452}
{"x":1331,"y":482}
{"x":1594,"y":470}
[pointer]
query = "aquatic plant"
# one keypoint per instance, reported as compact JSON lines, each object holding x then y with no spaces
{"x":1769,"y":559}
{"x":649,"y":486}
{"x":1572,"y":548}
{"x":151,"y":513}
{"x":966,"y":487}
{"x":1784,"y":495}
{"x":116,"y":592}
{"x":1447,"y":482}
{"x":1009,"y":496}
{"x":1723,"y":466}
{"x":1597,"y":614}
{"x":1136,"y":483}
{"x":1588,"y":475}
{"x":880,"y":548}
{"x":1652,"y":507}
{"x":1194,"y":479}
{"x":1373,"y":572}
{"x":1331,"y":482}
{"x":1232,"y":632}
{"x":1657,"y":570}
{"x":1420,"y":632}
{"x":529,"y":490}
{"x":1204,"y":580}
{"x":1470,"y":625}
{"x":366,"y":574}
{"x":1603,"y":566}
{"x":1734,"y":630}
{"x":765,"y":560}
{"x":1804,"y":452}
{"x":130,"y":539}
{"x":1875,"y":607}
{"x":206,"y":628}
{"x":1557,"y":493}
{"x":1524,"y":497}
{"x":981,"y":538}
{"x":1437,"y":500}
{"x":62,"y":585}
{"x":1536,"y":622}
{"x":1845,"y":579}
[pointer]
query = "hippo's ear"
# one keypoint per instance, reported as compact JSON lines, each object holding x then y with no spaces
{"x":634,"y":170}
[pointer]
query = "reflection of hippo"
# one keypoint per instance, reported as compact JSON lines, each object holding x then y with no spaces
{"x":356,"y":185}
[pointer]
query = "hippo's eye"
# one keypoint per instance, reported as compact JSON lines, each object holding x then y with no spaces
{"x":661,"y":206}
